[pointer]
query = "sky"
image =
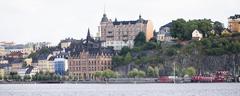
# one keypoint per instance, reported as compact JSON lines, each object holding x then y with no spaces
{"x":25,"y":21}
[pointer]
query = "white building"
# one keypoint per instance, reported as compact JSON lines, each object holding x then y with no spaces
{"x":164,"y":33}
{"x":196,"y":35}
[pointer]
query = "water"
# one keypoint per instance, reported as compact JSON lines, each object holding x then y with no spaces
{"x":192,"y":89}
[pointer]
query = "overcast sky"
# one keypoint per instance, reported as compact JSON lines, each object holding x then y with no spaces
{"x":24,"y":21}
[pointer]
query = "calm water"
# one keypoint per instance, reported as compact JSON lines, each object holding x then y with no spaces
{"x":196,"y":89}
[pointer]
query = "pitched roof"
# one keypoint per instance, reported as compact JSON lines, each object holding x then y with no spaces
{"x":29,"y":70}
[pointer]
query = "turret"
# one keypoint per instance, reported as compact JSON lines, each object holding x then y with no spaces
{"x":104,"y":18}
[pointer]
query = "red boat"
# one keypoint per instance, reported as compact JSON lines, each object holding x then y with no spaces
{"x":219,"y":76}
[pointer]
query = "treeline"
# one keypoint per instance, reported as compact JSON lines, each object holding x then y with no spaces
{"x":183,"y":29}
{"x":214,"y":46}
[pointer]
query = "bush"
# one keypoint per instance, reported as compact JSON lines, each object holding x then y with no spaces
{"x":150,"y":46}
{"x":171,"y":51}
{"x":190,"y":71}
{"x":136,"y":73}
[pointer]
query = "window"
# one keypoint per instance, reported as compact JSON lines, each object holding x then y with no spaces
{"x":109,"y":32}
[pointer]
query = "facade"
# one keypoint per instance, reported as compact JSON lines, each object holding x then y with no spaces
{"x":66,"y":42}
{"x":234,"y":23}
{"x":2,"y":51}
{"x":60,"y":66}
{"x":164,"y":33}
{"x":87,"y":57}
{"x":2,"y":73}
{"x":16,"y":67}
{"x":87,"y":63}
{"x":45,"y":63}
{"x":118,"y":34}
{"x":38,"y":45}
{"x":28,"y":61}
{"x":19,"y":48}
{"x":22,"y":72}
{"x":196,"y":35}
{"x":16,"y":55}
{"x":3,"y":61}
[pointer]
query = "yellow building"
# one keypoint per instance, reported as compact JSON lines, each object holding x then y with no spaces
{"x":234,"y":23}
{"x":45,"y":63}
{"x":2,"y":73}
{"x":16,"y":67}
{"x":118,"y":34}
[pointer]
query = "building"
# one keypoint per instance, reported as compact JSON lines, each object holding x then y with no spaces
{"x":2,"y":74}
{"x":234,"y":23}
{"x":61,"y":63}
{"x":28,"y":61}
{"x":22,"y":72}
{"x":16,"y":64}
{"x":87,"y":57}
{"x":16,"y":55}
{"x":66,"y":42}
{"x":196,"y":35}
{"x":6,"y":43}
{"x":5,"y":69}
{"x":164,"y":33}
{"x":118,"y":34}
{"x":3,"y":61}
{"x":2,"y":51}
{"x":45,"y":63}
{"x":38,"y":45}
{"x":60,"y":66}
{"x":17,"y":49}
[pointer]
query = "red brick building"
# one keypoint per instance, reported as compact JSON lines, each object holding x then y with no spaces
{"x":87,"y":57}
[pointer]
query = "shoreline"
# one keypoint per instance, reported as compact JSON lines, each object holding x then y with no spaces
{"x":91,"y":82}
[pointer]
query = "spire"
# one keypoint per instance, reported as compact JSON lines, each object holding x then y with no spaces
{"x":88,"y":34}
{"x":104,"y":18}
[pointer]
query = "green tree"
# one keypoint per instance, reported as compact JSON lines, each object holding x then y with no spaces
{"x":205,"y":26}
{"x":117,"y":61}
{"x":178,"y":30}
{"x":190,"y":71}
{"x":156,"y":70}
{"x":135,"y":73}
{"x":26,"y":77}
{"x":98,"y":74}
{"x":124,"y":50}
{"x":16,"y":77}
{"x":218,"y":27}
{"x":150,"y":45}
{"x":182,"y":29}
{"x":109,"y":74}
{"x":140,"y":39}
{"x":171,"y":51}
{"x":141,"y":74}
{"x":128,"y":58}
{"x":150,"y":71}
